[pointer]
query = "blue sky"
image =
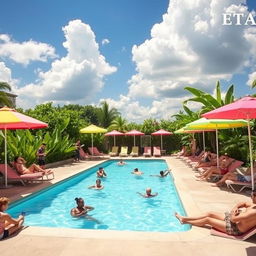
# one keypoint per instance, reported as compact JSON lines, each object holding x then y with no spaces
{"x":124,"y":51}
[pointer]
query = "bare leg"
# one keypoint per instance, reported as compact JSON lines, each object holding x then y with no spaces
{"x":36,"y":168}
{"x":227,"y":176}
{"x":214,"y":171}
{"x":214,"y":215}
{"x":14,"y":228}
{"x":215,"y":223}
{"x":206,"y":174}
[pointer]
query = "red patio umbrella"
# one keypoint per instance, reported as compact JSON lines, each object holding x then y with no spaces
{"x":10,"y":119}
{"x":114,"y":133}
{"x":134,"y":133}
{"x":161,"y":132}
{"x":244,"y":108}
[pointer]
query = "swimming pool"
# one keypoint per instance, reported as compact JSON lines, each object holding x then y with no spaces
{"x":117,"y":206}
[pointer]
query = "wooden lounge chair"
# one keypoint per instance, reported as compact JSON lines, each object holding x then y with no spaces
{"x":242,"y":237}
{"x":124,"y":151}
{"x":156,"y":151}
{"x":135,"y":151}
{"x":147,"y":151}
{"x":114,"y":151}
{"x":12,"y":175}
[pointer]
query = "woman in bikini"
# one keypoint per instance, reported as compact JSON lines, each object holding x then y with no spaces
{"x":19,"y":165}
{"x":236,"y":222}
{"x":222,"y":169}
{"x":8,"y":225}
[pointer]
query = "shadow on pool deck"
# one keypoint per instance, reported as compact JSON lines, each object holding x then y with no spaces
{"x":196,"y":197}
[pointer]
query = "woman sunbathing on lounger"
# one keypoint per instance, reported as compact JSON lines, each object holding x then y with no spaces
{"x":8,"y":225}
{"x":19,"y":165}
{"x":233,"y":176}
{"x":222,"y":169}
{"x":239,"y":220}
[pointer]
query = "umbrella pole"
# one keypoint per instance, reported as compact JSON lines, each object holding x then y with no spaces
{"x":5,"y":157}
{"x":250,"y":148}
{"x":161,"y":142}
{"x":217,"y":148}
{"x":134,"y":140}
{"x":114,"y":140}
{"x":204,"y":140}
{"x":92,"y":143}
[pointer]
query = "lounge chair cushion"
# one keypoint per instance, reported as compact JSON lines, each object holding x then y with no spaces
{"x":242,"y":237}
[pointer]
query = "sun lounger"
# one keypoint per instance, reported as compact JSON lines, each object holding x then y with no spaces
{"x":242,"y":237}
{"x":114,"y":151}
{"x":12,"y":175}
{"x":135,"y":151}
{"x":156,"y":151}
{"x":94,"y":151}
{"x":124,"y":151}
{"x":238,"y":186}
{"x":83,"y":155}
{"x":147,"y":151}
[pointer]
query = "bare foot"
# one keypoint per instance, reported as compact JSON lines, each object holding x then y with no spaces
{"x":179,"y":217}
{"x":216,"y":185}
{"x":201,"y":179}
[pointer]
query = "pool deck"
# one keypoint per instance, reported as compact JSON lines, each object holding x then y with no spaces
{"x":197,"y":197}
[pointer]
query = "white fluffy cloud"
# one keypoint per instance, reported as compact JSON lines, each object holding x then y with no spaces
{"x":105,"y":41}
{"x":190,"y":47}
{"x":5,"y":73}
{"x":25,"y":52}
{"x":75,"y":77}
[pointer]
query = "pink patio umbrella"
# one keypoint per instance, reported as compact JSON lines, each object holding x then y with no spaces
{"x":244,"y":108}
{"x":162,"y":133}
{"x":10,"y":119}
{"x":134,"y":133}
{"x":114,"y":133}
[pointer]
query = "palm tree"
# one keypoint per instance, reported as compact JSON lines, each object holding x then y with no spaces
{"x":254,"y":83}
{"x":106,"y":115}
{"x":210,"y":102}
{"x":119,"y":124}
{"x":4,"y":99}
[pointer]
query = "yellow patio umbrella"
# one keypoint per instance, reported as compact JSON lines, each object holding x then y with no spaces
{"x":203,"y":123}
{"x":93,"y":129}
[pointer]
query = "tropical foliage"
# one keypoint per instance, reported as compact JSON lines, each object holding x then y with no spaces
{"x":4,"y":100}
{"x":24,"y":143}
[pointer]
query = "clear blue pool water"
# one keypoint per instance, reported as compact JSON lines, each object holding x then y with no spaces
{"x":117,"y":206}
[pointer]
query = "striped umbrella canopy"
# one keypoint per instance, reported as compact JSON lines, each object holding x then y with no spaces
{"x":243,"y":108}
{"x":203,"y":123}
{"x":10,"y":119}
{"x":93,"y":129}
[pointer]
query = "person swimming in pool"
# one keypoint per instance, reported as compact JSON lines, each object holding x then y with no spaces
{"x":101,"y":173}
{"x":162,"y":174}
{"x":137,"y":172}
{"x":121,"y":163}
{"x":148,"y":193}
{"x":81,"y":209}
{"x":97,"y":186}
